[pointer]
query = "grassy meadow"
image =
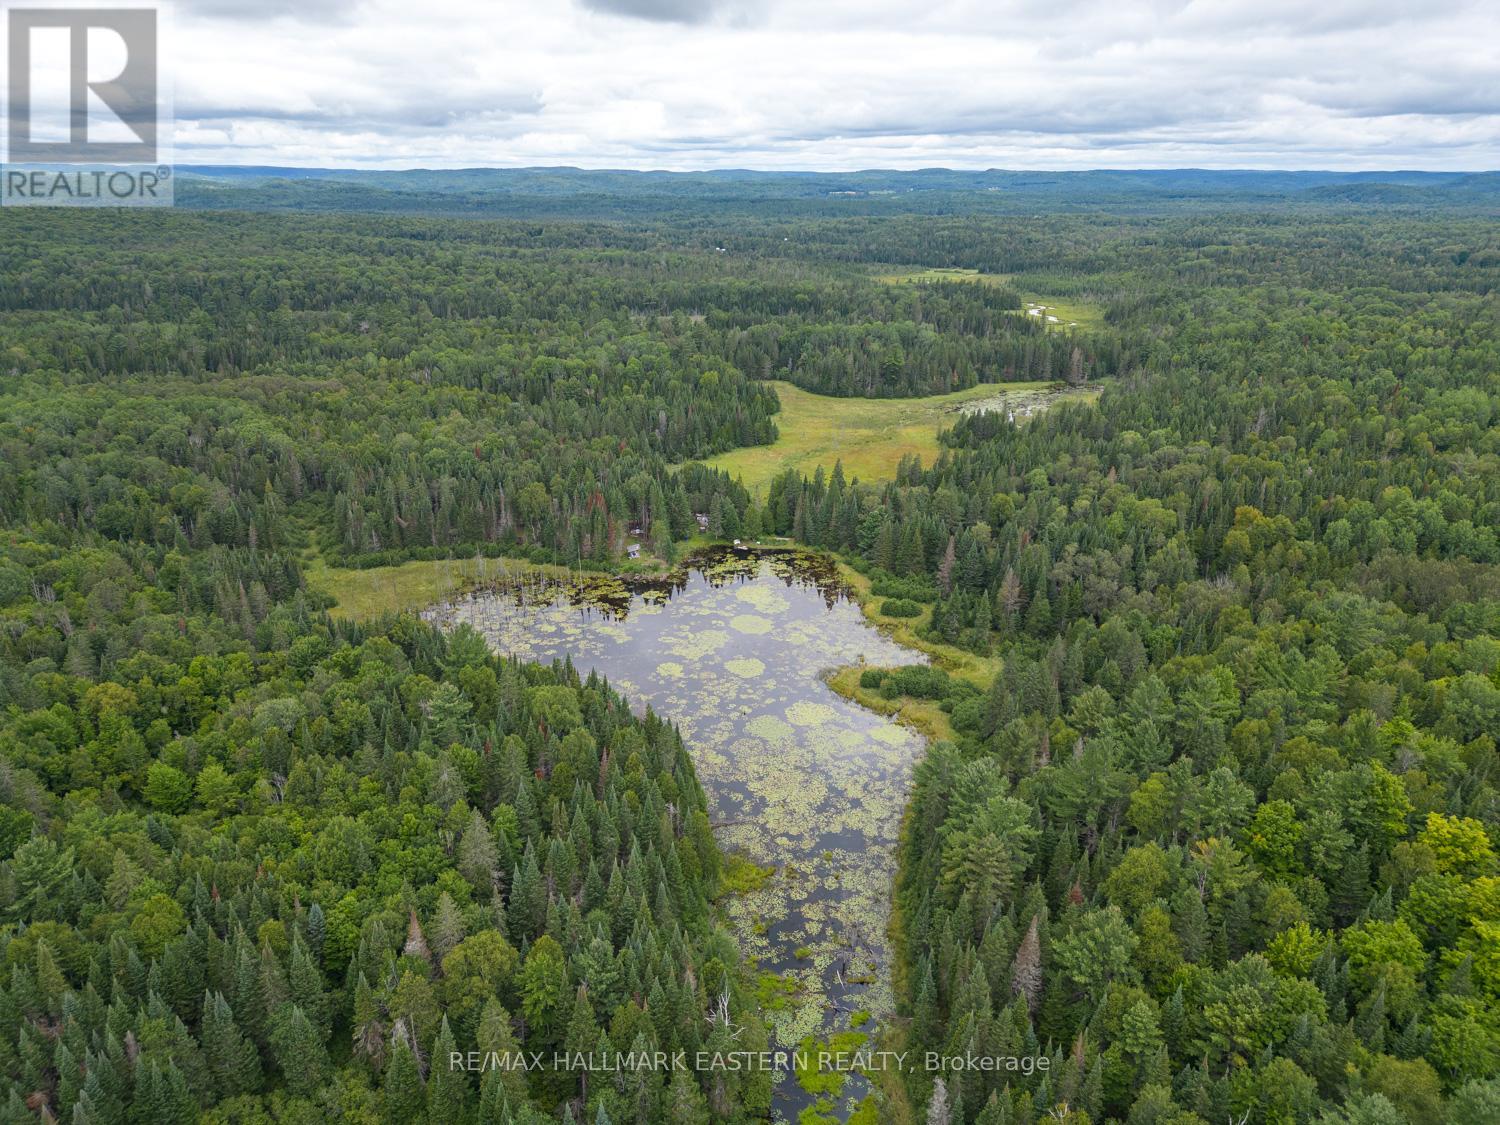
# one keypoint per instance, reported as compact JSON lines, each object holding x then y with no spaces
{"x":1069,"y":312}
{"x":869,"y":435}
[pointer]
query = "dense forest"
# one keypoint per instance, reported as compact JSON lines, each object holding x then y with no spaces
{"x":1218,"y":839}
{"x":429,"y":389}
{"x":1221,"y":838}
{"x":708,"y":197}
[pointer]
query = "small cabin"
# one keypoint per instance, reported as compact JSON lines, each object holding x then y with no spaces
{"x":702,"y":518}
{"x":633,"y":550}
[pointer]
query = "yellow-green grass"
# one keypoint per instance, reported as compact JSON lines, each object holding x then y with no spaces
{"x":368,"y":593}
{"x":869,"y":435}
{"x":1068,"y":312}
{"x":413,"y":586}
{"x":922,"y":715}
{"x":957,"y":662}
{"x":918,"y":276}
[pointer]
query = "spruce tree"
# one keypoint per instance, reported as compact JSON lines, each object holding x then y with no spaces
{"x":447,"y":1083}
{"x":404,"y":1096}
{"x":232,"y":1057}
{"x":305,"y":981}
{"x":298,"y":1048}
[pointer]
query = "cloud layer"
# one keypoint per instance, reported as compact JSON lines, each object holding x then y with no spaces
{"x":691,"y":84}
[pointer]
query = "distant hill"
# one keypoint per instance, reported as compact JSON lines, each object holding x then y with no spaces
{"x":580,"y":193}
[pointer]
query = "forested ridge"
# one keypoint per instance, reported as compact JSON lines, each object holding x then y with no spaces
{"x":1219,"y":839}
{"x":681,"y":197}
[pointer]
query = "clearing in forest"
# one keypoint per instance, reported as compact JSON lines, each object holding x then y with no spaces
{"x":1061,"y":312}
{"x":917,"y":275}
{"x":869,"y":435}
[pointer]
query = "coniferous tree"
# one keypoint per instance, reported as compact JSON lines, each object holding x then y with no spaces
{"x":403,"y":1095}
{"x":231,"y":1055}
{"x":298,"y":1048}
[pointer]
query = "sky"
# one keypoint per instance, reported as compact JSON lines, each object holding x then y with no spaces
{"x":838,"y":84}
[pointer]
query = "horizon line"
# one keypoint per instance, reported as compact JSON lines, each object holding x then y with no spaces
{"x":847,"y":171}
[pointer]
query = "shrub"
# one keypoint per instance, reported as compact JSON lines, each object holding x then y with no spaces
{"x":915,"y":589}
{"x":900,"y":607}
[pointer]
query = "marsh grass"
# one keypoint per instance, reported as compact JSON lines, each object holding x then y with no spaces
{"x":977,"y":670}
{"x":1068,"y":310}
{"x":922,"y":715}
{"x":743,"y":876}
{"x":869,"y":436}
{"x":922,"y":276}
{"x":361,"y":594}
{"x":806,"y":789}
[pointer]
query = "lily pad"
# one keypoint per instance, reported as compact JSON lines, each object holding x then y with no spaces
{"x":799,"y":779}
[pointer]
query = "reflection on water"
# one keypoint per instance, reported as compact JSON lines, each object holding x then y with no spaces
{"x":732,"y":649}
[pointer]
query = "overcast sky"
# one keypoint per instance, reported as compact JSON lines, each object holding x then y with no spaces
{"x":839,"y":84}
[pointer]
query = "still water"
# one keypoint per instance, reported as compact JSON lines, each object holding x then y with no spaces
{"x":798,"y":779}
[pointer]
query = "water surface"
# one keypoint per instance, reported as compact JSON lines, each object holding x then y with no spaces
{"x":799,"y":779}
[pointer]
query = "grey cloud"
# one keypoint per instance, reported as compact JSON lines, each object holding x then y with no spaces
{"x":308,"y":11}
{"x":676,"y":11}
{"x":412,"y":115}
{"x":845,"y":83}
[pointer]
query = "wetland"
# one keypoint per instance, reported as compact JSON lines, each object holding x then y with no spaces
{"x":806,"y":789}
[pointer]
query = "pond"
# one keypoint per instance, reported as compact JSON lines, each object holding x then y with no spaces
{"x":734,"y":650}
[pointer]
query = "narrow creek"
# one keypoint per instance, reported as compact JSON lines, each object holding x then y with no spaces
{"x":733,"y":649}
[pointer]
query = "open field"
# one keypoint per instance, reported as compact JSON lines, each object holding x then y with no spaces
{"x":941,"y":273}
{"x":1069,"y":313}
{"x":413,"y":586}
{"x":869,"y":435}
{"x":410,"y":586}
{"x":392,"y":589}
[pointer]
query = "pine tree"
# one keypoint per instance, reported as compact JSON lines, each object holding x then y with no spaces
{"x":477,"y":854}
{"x":685,"y":1103}
{"x":995,"y":1112}
{"x":317,"y":932}
{"x":495,"y":1039}
{"x":1351,"y":892}
{"x":883,"y":554}
{"x":367,"y":1025}
{"x":447,"y":928}
{"x":581,"y":1035}
{"x":69,"y":1079}
{"x":249,"y":991}
{"x":494,"y":1098}
{"x":1370,"y":1020}
{"x":178,"y":1106}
